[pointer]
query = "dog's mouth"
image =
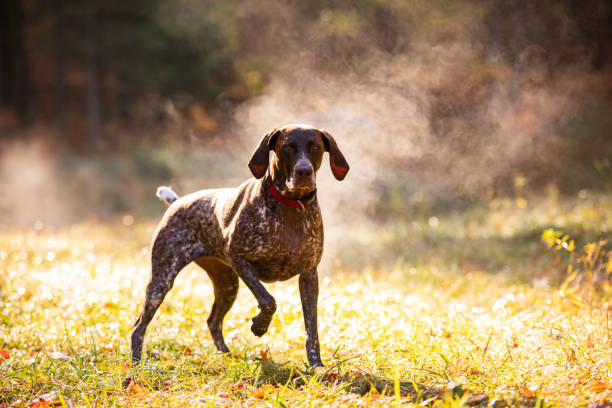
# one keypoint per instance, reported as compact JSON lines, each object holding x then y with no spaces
{"x":301,"y":187}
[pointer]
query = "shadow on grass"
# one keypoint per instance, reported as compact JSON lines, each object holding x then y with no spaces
{"x":364,"y":384}
{"x":261,"y":377}
{"x":357,"y":382}
{"x":373,"y":386}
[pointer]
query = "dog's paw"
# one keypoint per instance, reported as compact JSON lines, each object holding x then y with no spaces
{"x":258,"y":330}
{"x":260,"y":325}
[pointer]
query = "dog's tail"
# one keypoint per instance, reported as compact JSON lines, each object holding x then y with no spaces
{"x":166,"y":194}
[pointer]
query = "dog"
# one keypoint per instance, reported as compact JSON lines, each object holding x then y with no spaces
{"x":266,"y":230}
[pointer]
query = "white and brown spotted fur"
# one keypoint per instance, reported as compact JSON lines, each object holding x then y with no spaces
{"x":245,"y":233}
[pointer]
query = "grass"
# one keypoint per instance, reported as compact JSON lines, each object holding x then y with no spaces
{"x":463,"y":310}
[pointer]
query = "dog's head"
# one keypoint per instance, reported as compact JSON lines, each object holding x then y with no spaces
{"x":298,"y":152}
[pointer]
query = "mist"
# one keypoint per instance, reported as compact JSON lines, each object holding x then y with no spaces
{"x":437,"y":120}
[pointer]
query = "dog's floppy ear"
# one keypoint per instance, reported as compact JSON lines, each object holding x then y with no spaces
{"x":339,"y":166}
{"x":261,"y":156}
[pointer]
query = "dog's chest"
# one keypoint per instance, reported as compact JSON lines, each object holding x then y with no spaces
{"x":280,"y":247}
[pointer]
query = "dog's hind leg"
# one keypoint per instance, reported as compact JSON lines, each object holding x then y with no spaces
{"x":173,"y":248}
{"x":225,"y":284}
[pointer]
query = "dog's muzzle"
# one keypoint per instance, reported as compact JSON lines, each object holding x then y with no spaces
{"x":303,"y":177}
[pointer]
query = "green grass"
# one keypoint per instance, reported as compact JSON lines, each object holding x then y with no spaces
{"x":465,"y":311}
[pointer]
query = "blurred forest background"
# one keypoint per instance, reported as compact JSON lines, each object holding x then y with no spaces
{"x":438,"y":104}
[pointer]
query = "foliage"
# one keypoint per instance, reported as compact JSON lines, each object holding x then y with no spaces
{"x":590,"y":265}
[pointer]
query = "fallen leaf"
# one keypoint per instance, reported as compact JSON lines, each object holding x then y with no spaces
{"x":48,"y":400}
{"x":261,"y":392}
{"x":4,"y":354}
{"x":258,"y":393}
{"x":40,"y":404}
{"x":137,"y":389}
{"x":373,"y":397}
{"x":599,"y":386}
{"x":332,"y":377}
{"x":46,"y":404}
{"x":528,"y":392}
{"x":264,"y":354}
{"x":589,"y":342}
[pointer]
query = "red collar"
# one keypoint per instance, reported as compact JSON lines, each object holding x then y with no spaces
{"x":298,"y":204}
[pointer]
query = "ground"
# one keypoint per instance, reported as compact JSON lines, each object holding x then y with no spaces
{"x":464,"y":309}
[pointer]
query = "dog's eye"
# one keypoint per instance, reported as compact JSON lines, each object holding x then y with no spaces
{"x":287,"y":148}
{"x":315,"y":148}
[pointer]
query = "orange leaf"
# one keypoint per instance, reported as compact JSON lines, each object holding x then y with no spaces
{"x":599,"y":386}
{"x":45,"y":404}
{"x":137,"y":389}
{"x":261,"y":392}
{"x":589,"y":342}
{"x":258,"y":393}
{"x":40,"y":404}
{"x":528,"y":392}
{"x":4,"y":354}
{"x":46,"y":401}
{"x":373,"y":397}
{"x":332,"y":377}
{"x":264,"y":354}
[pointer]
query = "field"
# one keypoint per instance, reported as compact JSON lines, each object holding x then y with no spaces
{"x":464,"y":309}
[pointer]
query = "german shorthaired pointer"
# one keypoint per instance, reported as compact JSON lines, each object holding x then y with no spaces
{"x":268,"y":229}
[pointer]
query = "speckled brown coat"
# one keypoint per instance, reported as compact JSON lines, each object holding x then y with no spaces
{"x":247,"y":233}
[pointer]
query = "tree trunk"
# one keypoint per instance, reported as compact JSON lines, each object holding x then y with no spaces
{"x":60,"y":72}
{"x":14,"y":75}
{"x":93,"y":69}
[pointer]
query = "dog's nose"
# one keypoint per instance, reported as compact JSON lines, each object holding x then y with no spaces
{"x":303,"y":172}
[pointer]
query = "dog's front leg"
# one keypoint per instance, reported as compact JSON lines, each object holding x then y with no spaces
{"x":265,"y":301}
{"x":309,"y":293}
